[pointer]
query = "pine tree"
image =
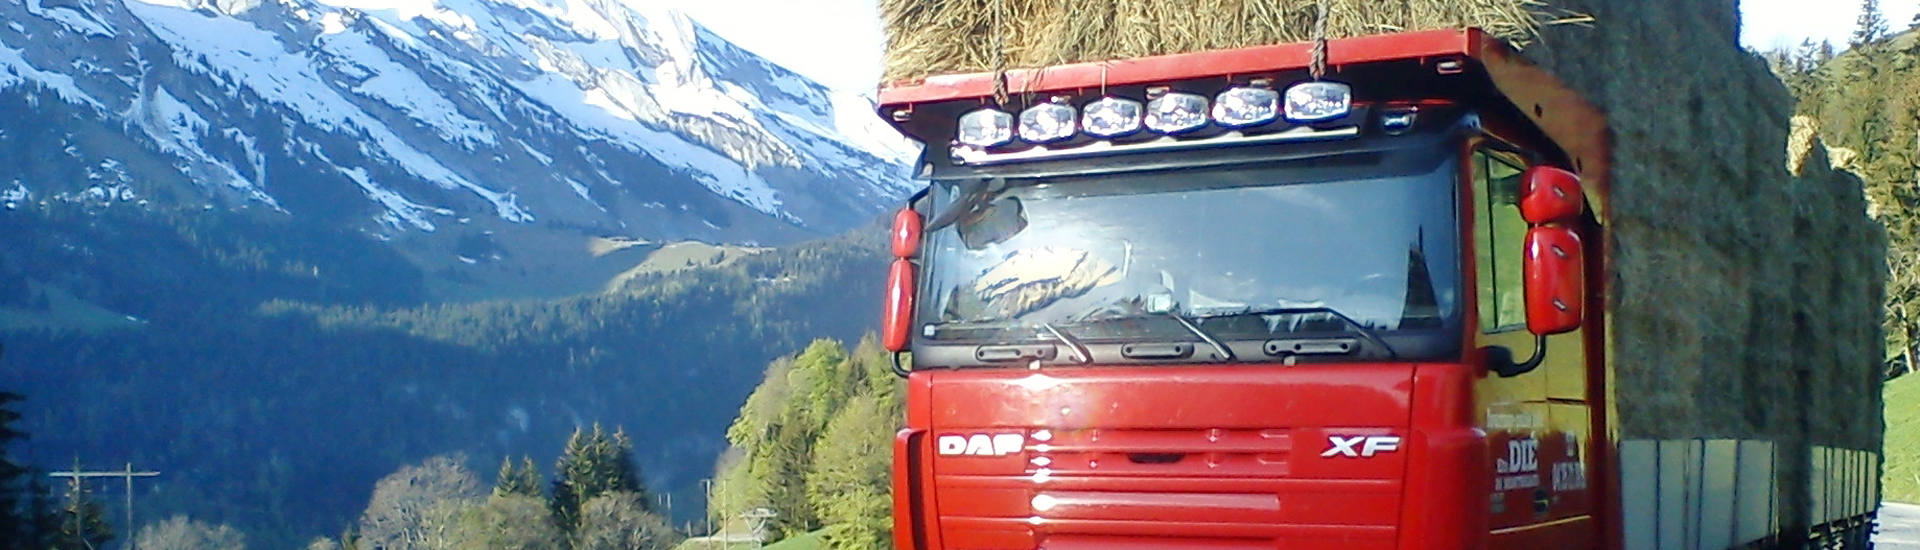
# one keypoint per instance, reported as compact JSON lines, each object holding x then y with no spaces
{"x":781,"y":465}
{"x":810,"y":443}
{"x":1870,"y":27}
{"x":816,"y":385}
{"x":44,"y":514}
{"x":83,"y":522}
{"x":594,"y":463}
{"x":849,"y":484}
{"x":17,"y":529}
{"x":876,"y":364}
{"x":518,"y":479}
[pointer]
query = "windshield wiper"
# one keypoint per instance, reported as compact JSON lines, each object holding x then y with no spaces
{"x":1364,"y":331}
{"x":1080,"y":353}
{"x":1226,"y":354}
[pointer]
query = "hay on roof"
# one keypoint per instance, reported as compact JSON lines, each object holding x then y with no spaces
{"x":929,"y":37}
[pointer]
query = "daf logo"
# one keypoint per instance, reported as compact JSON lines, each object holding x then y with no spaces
{"x":1361,"y":445}
{"x":980,"y":444}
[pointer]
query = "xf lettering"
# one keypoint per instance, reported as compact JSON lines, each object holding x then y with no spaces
{"x":1360,"y":445}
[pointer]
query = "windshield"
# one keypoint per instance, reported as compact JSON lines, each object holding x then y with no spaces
{"x":1361,"y":241}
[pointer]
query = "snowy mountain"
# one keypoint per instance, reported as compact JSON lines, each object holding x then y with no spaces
{"x":533,"y":125}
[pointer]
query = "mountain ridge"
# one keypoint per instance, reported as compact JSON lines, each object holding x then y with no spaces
{"x":290,"y":244}
{"x":423,"y":122}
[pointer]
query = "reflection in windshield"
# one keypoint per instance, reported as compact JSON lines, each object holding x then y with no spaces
{"x":1374,"y":243}
{"x":1033,"y":278}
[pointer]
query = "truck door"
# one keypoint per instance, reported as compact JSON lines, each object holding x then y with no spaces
{"x":1536,"y":423}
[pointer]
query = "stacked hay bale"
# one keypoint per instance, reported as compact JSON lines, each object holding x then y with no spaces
{"x":929,"y":37}
{"x":1746,"y":298}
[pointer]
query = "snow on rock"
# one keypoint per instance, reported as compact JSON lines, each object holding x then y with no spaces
{"x":15,"y":71}
{"x":398,"y":208}
{"x":603,"y":115}
{"x":255,"y":58}
{"x":17,"y":193}
{"x":464,"y":107}
{"x":176,"y":128}
{"x":388,"y":81}
{"x":77,"y":18}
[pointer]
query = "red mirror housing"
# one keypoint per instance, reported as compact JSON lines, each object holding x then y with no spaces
{"x":906,"y":233}
{"x":1551,"y":195}
{"x":896,"y":322}
{"x":1554,"y":264}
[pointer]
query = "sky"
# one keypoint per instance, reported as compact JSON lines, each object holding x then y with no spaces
{"x":834,"y":42}
{"x":838,"y":42}
{"x":1766,"y":24}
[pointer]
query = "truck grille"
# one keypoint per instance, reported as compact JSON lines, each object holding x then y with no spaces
{"x":1195,"y":453}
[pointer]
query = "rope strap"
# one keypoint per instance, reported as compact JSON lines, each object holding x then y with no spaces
{"x":1319,"y":67}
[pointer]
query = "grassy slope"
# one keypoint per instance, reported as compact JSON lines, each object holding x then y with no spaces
{"x":63,"y":311}
{"x":809,"y":541}
{"x":682,"y":256}
{"x":1902,"y":474}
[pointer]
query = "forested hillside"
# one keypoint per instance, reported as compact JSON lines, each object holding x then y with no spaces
{"x":812,"y":446}
{"x":1864,"y":104}
{"x":270,"y":387}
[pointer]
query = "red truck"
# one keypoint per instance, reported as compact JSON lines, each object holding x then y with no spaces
{"x":1230,"y":301}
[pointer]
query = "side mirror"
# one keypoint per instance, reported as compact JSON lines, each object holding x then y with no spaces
{"x":1554,"y":261}
{"x":896,"y":321}
{"x":1554,"y":264}
{"x":906,"y":233}
{"x":1550,"y":195}
{"x":994,"y":222}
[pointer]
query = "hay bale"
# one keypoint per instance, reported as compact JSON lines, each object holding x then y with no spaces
{"x":929,"y":37}
{"x":1803,"y":134}
{"x":1748,"y":297}
{"x":1763,"y":283}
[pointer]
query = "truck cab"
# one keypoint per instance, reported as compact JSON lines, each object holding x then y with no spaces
{"x":1230,"y":300}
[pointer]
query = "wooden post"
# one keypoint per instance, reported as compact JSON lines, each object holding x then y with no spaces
{"x":76,"y":474}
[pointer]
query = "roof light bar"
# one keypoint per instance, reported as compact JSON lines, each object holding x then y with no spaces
{"x":1112,"y":117}
{"x":1047,"y":122}
{"x":1246,"y":106}
{"x":1177,"y":112}
{"x":1247,"y":112}
{"x":1318,"y":100}
{"x":975,"y":157}
{"x":986,"y":127}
